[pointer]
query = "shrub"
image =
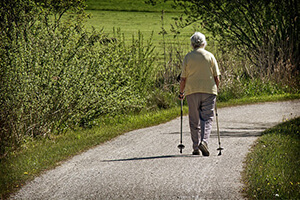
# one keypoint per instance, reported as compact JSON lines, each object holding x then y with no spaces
{"x":55,"y":75}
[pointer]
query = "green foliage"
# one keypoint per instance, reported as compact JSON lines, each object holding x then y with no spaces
{"x":272,"y":169}
{"x":56,"y":75}
{"x":241,"y":88}
{"x":258,"y":29}
{"x":161,"y":99}
{"x":266,"y":33}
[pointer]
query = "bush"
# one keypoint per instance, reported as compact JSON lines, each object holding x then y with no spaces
{"x":55,"y":75}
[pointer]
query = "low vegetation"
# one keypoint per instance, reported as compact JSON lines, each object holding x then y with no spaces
{"x":38,"y":154}
{"x":272,"y":168}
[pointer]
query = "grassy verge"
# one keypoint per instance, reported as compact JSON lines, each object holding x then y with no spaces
{"x":272,"y":168}
{"x":259,"y":99}
{"x":38,"y":155}
{"x":42,"y":154}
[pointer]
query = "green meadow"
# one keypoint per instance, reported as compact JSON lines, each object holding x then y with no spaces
{"x":129,"y":5}
{"x":132,"y":22}
{"x":132,"y":17}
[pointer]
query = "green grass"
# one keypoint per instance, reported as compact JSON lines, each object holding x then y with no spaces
{"x":259,"y":99}
{"x":272,"y":168}
{"x":128,"y":5}
{"x":41,"y":154}
{"x":149,"y":24}
{"x":130,"y":23}
{"x":132,"y":16}
{"x":38,"y":155}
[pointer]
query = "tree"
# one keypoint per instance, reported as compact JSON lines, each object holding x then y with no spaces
{"x":266,"y":31}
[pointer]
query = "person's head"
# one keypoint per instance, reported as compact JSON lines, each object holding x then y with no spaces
{"x":198,"y":40}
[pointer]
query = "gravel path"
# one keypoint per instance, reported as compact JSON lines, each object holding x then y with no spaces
{"x":146,"y":163}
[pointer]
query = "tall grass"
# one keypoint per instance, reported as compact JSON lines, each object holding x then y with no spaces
{"x":240,"y":78}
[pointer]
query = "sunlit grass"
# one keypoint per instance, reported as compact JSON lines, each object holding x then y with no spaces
{"x":272,"y":168}
{"x":130,"y":23}
{"x":258,"y":99}
{"x":132,"y":16}
{"x":39,"y":154}
{"x":129,"y":5}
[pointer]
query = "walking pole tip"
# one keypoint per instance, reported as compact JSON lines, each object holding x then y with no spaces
{"x":220,"y":150}
{"x":181,"y":146}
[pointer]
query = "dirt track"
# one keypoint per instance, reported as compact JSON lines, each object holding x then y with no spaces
{"x":146,"y":163}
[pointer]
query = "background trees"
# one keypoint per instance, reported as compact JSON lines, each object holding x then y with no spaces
{"x":265,"y":32}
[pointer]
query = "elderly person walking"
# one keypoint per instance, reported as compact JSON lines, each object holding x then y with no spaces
{"x":199,"y":83}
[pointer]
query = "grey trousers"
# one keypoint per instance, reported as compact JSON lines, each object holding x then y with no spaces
{"x":201,"y":113}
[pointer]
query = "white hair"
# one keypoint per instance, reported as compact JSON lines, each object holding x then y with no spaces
{"x":198,"y":39}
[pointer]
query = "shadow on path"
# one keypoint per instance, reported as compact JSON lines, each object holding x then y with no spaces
{"x":243,"y":132}
{"x":151,"y":158}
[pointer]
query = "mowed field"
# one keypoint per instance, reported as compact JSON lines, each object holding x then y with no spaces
{"x":133,"y":16}
{"x":129,"y":5}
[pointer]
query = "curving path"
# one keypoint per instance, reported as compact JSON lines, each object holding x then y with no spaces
{"x":146,"y":163}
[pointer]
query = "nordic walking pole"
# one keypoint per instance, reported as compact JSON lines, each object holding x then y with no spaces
{"x":181,"y":146}
{"x":218,"y":131}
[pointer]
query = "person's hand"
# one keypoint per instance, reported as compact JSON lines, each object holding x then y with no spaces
{"x":181,"y":95}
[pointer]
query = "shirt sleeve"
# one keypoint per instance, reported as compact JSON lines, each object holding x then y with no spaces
{"x":183,"y":69}
{"x":215,"y":67}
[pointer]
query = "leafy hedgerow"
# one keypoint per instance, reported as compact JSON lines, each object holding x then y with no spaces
{"x":55,"y":74}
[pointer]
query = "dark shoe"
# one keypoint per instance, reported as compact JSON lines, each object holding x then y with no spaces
{"x":204,"y":148}
{"x":196,"y":152}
